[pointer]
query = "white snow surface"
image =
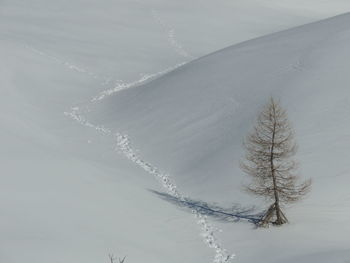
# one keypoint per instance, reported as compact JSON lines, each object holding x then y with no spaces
{"x":192,"y":122}
{"x":67,"y":196}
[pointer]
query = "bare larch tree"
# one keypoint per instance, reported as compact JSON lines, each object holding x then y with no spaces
{"x":269,"y":151}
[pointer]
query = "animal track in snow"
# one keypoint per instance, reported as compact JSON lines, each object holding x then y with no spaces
{"x":123,"y":145}
{"x":104,"y":79}
{"x":171,"y":37}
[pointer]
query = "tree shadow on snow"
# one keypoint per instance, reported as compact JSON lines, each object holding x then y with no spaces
{"x":235,"y":213}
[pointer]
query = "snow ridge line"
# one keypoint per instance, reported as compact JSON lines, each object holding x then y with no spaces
{"x":171,"y":37}
{"x":123,"y":146}
{"x":122,"y":85}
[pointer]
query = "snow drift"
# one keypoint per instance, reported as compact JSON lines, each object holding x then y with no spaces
{"x":191,"y":122}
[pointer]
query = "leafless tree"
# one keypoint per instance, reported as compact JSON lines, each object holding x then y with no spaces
{"x":269,"y":151}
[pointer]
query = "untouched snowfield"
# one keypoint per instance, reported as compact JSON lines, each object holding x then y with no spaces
{"x":73,"y":193}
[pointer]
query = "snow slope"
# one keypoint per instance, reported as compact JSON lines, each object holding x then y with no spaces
{"x":66,"y":196}
{"x":191,"y":122}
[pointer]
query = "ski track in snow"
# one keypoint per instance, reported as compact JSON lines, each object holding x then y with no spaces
{"x":171,"y":37}
{"x":123,"y":146}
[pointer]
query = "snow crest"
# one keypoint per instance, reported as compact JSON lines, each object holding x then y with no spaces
{"x":122,"y":85}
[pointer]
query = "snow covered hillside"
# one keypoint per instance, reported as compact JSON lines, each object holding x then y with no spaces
{"x":192,"y":122}
{"x":67,"y":196}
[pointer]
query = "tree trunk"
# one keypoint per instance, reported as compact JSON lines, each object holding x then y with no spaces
{"x":279,"y":220}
